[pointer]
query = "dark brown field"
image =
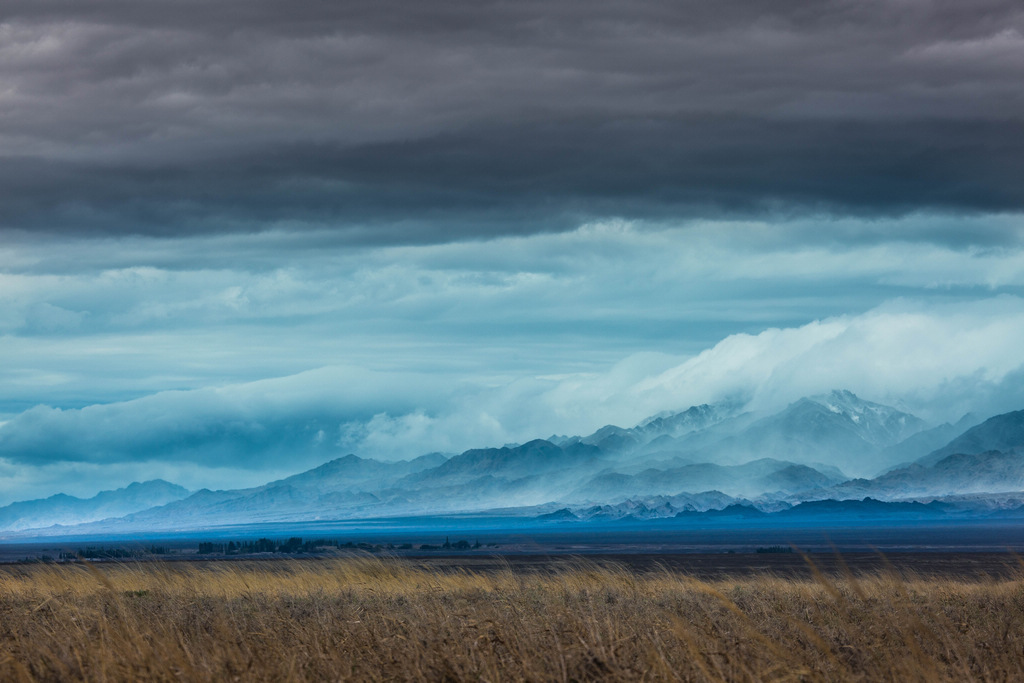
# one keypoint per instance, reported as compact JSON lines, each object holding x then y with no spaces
{"x":732,"y":618}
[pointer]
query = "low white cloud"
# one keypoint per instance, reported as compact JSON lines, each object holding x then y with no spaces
{"x":903,"y":352}
{"x":407,"y":436}
{"x":939,"y":361}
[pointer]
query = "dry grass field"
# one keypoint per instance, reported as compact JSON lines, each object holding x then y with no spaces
{"x":371,"y":619}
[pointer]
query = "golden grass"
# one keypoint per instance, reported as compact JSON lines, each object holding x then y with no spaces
{"x":371,"y":619}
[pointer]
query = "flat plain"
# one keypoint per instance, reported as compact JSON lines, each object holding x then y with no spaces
{"x":949,"y":617}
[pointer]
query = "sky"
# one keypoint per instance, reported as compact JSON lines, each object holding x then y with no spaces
{"x":238,"y":239}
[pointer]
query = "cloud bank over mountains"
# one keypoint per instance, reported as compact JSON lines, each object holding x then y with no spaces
{"x":937,"y":361}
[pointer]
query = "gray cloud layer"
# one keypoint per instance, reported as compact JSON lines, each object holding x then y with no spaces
{"x":397,"y":121}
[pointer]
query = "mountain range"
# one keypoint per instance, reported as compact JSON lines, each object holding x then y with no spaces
{"x":65,"y":509}
{"x":707,"y":457}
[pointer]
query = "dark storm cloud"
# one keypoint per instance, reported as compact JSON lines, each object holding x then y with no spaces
{"x":539,"y":177}
{"x":402,"y":121}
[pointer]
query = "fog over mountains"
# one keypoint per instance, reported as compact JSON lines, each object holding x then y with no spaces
{"x":704,"y":459}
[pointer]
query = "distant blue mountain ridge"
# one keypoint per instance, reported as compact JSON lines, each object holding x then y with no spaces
{"x":831,"y":447}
